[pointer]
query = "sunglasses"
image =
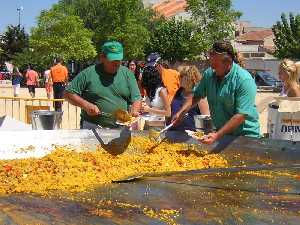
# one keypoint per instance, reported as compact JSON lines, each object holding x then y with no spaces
{"x":220,"y":52}
{"x":214,"y":52}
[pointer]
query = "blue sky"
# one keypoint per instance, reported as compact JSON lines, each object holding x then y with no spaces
{"x":32,"y":8}
{"x":265,"y":13}
{"x":262,"y":13}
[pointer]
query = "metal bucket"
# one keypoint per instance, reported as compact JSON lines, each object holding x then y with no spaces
{"x":203,"y":123}
{"x":46,"y":120}
{"x":154,"y":122}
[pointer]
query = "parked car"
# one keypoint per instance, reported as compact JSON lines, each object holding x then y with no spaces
{"x":4,"y":75}
{"x":267,"y":80}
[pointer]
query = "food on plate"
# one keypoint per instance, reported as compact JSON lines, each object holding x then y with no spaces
{"x":122,"y":116}
{"x":199,"y":134}
{"x":195,"y":134}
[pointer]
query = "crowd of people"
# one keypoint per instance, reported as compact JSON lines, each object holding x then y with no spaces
{"x":54,"y":81}
{"x":225,"y":91}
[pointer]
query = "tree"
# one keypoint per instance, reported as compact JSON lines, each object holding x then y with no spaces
{"x":13,"y":41}
{"x":59,"y":33}
{"x":211,"y":20}
{"x":214,"y":20}
{"x":29,"y":57}
{"x":122,"y":20}
{"x":173,"y":39}
{"x":287,"y":37}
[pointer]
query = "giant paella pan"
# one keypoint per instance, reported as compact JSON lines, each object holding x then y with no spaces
{"x":68,"y":177}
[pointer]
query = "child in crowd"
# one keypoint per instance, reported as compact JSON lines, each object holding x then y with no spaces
{"x":189,"y":77}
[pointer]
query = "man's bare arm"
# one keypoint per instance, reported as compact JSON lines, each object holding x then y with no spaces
{"x":228,"y":128}
{"x":190,"y":102}
{"x":203,"y":106}
{"x":76,"y":100}
{"x":231,"y":125}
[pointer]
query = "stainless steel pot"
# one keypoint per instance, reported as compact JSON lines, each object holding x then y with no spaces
{"x":204,"y":123}
{"x":46,"y":120}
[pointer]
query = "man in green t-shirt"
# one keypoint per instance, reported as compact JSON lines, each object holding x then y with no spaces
{"x":101,"y":89}
{"x":230,"y":92}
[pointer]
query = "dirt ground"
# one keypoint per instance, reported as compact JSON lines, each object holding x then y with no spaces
{"x":71,"y":114}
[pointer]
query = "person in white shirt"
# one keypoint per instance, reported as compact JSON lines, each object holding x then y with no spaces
{"x":156,"y":102}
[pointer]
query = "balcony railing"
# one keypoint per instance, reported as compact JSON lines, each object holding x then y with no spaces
{"x":21,"y":108}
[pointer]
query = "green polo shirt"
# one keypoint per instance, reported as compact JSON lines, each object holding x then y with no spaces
{"x":235,"y":94}
{"x":109,"y":92}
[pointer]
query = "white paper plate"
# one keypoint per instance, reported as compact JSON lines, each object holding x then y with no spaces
{"x":192,"y":134}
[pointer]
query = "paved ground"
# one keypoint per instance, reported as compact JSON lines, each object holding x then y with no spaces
{"x":262,"y":100}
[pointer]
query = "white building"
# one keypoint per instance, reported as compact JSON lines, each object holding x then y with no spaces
{"x":149,"y":3}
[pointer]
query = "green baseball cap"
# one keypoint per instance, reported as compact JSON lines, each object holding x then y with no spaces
{"x":113,"y":50}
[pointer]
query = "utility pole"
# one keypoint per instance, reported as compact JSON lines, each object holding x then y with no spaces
{"x":19,"y":9}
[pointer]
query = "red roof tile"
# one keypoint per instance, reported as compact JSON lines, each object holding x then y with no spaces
{"x":169,"y":8}
{"x":255,"y":35}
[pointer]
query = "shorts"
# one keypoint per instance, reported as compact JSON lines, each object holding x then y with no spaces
{"x":31,"y":88}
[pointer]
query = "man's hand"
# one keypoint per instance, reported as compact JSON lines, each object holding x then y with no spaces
{"x":145,"y":108}
{"x":136,"y":108}
{"x":91,"y":109}
{"x":228,"y":128}
{"x":210,"y":138}
{"x":134,"y":113}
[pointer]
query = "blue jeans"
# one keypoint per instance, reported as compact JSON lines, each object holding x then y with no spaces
{"x":58,"y":93}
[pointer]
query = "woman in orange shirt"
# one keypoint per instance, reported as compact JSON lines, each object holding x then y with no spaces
{"x":32,"y":78}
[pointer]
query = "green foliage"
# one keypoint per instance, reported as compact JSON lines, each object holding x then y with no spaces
{"x":13,"y":41}
{"x":211,"y":20}
{"x":122,"y":20}
{"x":173,"y":39}
{"x":58,"y":33}
{"x":29,"y":57}
{"x":287,"y":37}
{"x":214,"y":20}
{"x":72,"y":29}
